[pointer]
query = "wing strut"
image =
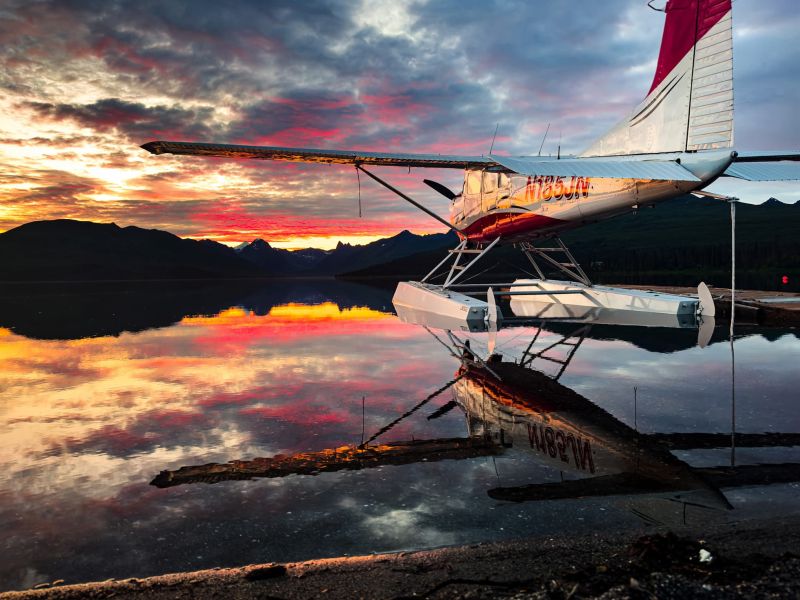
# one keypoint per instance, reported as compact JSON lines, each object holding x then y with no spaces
{"x":408,"y":199}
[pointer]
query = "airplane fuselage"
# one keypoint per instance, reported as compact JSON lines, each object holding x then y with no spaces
{"x":516,"y":207}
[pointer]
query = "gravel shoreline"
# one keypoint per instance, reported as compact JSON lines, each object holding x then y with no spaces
{"x":754,"y":559}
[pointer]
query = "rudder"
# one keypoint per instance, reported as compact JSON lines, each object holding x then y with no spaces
{"x":690,"y":103}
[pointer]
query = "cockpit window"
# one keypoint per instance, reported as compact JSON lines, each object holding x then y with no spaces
{"x":473,"y":182}
{"x":489,"y":182}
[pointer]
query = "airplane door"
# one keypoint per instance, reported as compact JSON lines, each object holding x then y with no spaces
{"x":495,"y":190}
{"x":489,"y":191}
{"x":504,"y":191}
{"x":472,"y":193}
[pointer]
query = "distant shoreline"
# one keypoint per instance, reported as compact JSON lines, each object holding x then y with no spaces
{"x":168,"y":279}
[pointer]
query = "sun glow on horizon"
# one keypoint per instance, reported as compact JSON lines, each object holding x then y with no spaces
{"x":326,"y":242}
{"x":318,"y":242}
{"x":292,"y":312}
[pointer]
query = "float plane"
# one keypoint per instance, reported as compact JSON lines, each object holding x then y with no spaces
{"x":678,"y":140}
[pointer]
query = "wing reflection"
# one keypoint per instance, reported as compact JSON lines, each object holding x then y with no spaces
{"x":345,"y":458}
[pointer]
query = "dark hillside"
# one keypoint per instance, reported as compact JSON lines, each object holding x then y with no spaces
{"x":80,"y":250}
{"x":680,"y":242}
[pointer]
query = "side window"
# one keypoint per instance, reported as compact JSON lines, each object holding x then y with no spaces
{"x":504,"y":182}
{"x":473,"y":182}
{"x":489,"y":182}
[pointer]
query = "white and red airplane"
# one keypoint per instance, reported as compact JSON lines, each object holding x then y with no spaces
{"x":678,"y":140}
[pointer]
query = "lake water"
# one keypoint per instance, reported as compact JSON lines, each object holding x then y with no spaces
{"x":104,"y":387}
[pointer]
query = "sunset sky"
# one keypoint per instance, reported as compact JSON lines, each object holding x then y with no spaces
{"x":85,"y":83}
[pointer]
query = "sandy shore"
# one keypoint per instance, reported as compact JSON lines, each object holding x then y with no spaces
{"x":748,"y":559}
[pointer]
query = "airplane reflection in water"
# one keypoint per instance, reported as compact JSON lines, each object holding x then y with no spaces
{"x":512,"y":408}
{"x":523,"y":408}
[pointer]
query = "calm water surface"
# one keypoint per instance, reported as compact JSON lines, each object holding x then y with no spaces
{"x":103,"y":388}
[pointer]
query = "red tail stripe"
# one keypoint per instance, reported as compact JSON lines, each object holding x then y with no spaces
{"x":686,"y":23}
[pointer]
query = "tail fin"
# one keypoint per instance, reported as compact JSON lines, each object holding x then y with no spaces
{"x":690,"y":104}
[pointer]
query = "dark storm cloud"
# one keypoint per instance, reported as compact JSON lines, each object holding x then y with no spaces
{"x":162,"y":428}
{"x":132,"y":119}
{"x":315,"y":112}
{"x":276,"y":64}
{"x":175,"y":217}
{"x":61,"y":191}
{"x":203,"y":49}
{"x":505,"y":63}
{"x":60,"y":194}
{"x":54,"y":141}
{"x":459,"y":68}
{"x":60,"y":188}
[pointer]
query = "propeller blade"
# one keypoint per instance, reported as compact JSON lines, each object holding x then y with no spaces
{"x":705,"y":331}
{"x":491,"y":311}
{"x":707,"y":308}
{"x":492,"y":342}
{"x":443,"y":190}
{"x":444,"y":409}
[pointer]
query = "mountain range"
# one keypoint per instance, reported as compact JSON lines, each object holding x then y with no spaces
{"x":68,"y":250}
{"x":342,"y":259}
{"x":675,"y":243}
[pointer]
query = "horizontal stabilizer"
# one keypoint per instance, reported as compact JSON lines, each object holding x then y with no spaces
{"x":663,"y":170}
{"x":775,"y":165}
{"x":767,"y":155}
{"x":388,"y":159}
{"x":768,"y":171}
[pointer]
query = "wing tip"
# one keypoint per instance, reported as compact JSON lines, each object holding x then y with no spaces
{"x":153,"y":147}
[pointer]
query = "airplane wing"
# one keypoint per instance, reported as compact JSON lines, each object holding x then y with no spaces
{"x":765,"y":166}
{"x":349,"y":157}
{"x":655,"y":169}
